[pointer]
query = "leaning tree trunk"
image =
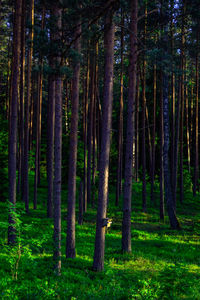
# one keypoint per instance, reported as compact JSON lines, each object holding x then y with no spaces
{"x":130,"y":133}
{"x":98,"y":263}
{"x":13,"y":122}
{"x":70,"y":246}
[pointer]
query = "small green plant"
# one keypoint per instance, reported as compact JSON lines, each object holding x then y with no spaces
{"x":14,"y":252}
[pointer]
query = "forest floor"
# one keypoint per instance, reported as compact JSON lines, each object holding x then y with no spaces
{"x":164,"y":264}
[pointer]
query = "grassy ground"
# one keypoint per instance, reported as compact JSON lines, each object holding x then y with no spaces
{"x":164,"y":264}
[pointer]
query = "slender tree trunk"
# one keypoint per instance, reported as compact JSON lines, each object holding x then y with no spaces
{"x":137,"y":103}
{"x":80,"y":217}
{"x":191,"y":116}
{"x":57,"y":13}
{"x":187,"y":127}
{"x":27,"y":104}
{"x":40,"y":97}
{"x":8,"y":81}
{"x":182,"y":103}
{"x":94,"y":134}
{"x":13,"y":122}
{"x":66,"y":107}
{"x":90,"y":129}
{"x":130,"y":133}
{"x":98,"y":263}
{"x":22,"y":86}
{"x":85,"y":131}
{"x":121,"y":108}
{"x":38,"y":122}
{"x":167,"y":180}
{"x":173,"y":99}
{"x":50,"y":144}
{"x":196,"y":160}
{"x":153,"y":135}
{"x":176,"y":139}
{"x":70,"y":247}
{"x":161,"y":150}
{"x":144,"y":200}
{"x":149,"y":137}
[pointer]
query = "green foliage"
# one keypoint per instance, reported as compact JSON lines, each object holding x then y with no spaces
{"x":164,"y":264}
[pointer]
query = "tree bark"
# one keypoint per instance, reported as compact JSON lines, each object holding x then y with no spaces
{"x":27,"y":105}
{"x":121,"y":108}
{"x":196,"y":159}
{"x":50,"y":144}
{"x":57,"y":13}
{"x":98,"y":263}
{"x":38,"y":121}
{"x":130,"y":133}
{"x":137,"y":103}
{"x":22,"y":89}
{"x":70,"y":246}
{"x":85,"y":131}
{"x":153,"y":135}
{"x":167,"y":180}
{"x":161,"y":150}
{"x":144,"y":200}
{"x":13,"y":123}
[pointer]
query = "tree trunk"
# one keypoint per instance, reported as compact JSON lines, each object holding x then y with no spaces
{"x":176,"y":139}
{"x":94,"y":134}
{"x":50,"y":144}
{"x":161,"y":149}
{"x":57,"y":13}
{"x":153,"y":135}
{"x":144,"y":196}
{"x":80,"y":217}
{"x":38,"y":121}
{"x":196,"y":160}
{"x":137,"y":103}
{"x":130,"y":133}
{"x":90,"y":128}
{"x":187,"y":127}
{"x":121,"y":108}
{"x":98,"y":263}
{"x":167,"y":180}
{"x":182,"y":102}
{"x":13,"y":123}
{"x":27,"y":104}
{"x":85,"y":131}
{"x":70,"y":247}
{"x":22,"y":87}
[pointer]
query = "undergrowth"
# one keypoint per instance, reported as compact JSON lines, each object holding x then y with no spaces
{"x":164,"y":264}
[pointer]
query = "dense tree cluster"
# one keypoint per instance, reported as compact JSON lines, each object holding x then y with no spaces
{"x":105,"y":93}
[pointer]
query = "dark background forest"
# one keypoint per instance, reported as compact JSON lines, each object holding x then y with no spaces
{"x":99,"y":149}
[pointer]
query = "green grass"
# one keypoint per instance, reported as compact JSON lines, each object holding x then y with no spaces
{"x":164,"y":264}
